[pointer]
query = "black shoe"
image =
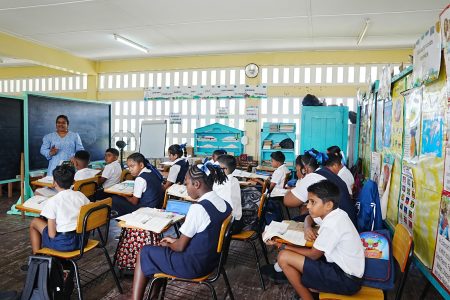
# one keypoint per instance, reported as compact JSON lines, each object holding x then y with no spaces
{"x":24,"y":268}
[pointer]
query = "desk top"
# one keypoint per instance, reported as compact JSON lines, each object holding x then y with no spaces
{"x":46,"y":181}
{"x":27,"y":209}
{"x":179,"y":190}
{"x":122,"y":189}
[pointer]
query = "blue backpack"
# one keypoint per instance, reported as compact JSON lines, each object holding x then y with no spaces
{"x":379,"y":262}
{"x":369,"y":209}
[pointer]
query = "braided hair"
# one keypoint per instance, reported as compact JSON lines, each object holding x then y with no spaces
{"x":313,"y":159}
{"x":208,"y":173}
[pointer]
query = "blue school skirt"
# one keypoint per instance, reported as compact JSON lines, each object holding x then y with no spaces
{"x":67,"y":241}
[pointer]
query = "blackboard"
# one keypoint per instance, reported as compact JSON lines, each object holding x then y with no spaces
{"x":11,"y":137}
{"x":91,"y":120}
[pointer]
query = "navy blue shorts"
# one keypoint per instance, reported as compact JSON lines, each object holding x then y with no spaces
{"x":61,"y":242}
{"x":328,"y":277}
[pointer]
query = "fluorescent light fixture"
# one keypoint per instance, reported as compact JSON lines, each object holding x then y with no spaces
{"x":363,"y":32}
{"x":130,"y":43}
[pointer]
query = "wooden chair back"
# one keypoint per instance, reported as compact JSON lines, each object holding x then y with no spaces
{"x":401,"y":245}
{"x":94,"y":215}
{"x":126,"y":175}
{"x":87,"y":186}
{"x":224,"y":232}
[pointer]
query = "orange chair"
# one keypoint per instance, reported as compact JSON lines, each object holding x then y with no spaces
{"x":250,"y":236}
{"x":92,"y":217}
{"x":403,"y":249}
{"x":87,"y":186}
{"x":222,"y":248}
{"x":126,"y":175}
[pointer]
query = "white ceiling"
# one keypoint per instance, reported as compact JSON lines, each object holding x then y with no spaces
{"x":179,"y":27}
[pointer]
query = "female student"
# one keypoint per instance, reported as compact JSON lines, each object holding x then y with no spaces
{"x":340,"y":169}
{"x":194,"y":253}
{"x":180,"y":166}
{"x":148,"y":190}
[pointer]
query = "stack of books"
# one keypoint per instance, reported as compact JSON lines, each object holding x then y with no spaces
{"x":286,"y":127}
{"x":273,"y":127}
{"x":267,"y":144}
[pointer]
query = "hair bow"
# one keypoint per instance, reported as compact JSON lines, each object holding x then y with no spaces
{"x":343,"y":161}
{"x":183,"y":146}
{"x":204,"y":168}
{"x":320,"y":157}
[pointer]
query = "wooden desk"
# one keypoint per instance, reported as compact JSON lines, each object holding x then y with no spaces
{"x":23,"y":208}
{"x":265,"y":169}
{"x":247,"y":183}
{"x":279,"y":240}
{"x":121,"y":189}
{"x":42,"y":184}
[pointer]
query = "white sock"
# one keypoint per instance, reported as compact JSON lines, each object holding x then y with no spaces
{"x":277,"y":268}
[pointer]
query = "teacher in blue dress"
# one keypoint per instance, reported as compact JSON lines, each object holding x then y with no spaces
{"x":60,"y":145}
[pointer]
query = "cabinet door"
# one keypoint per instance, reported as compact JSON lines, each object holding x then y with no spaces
{"x":323,"y":127}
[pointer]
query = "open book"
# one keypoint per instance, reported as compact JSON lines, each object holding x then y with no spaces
{"x":125,"y":187}
{"x":277,"y":192}
{"x":178,"y":190}
{"x":284,"y":231}
{"x":36,"y":202}
{"x":240,"y":173}
{"x":150,"y":219}
{"x":46,"y":179}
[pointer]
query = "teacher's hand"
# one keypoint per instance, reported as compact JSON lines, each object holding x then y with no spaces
{"x":53,"y":150}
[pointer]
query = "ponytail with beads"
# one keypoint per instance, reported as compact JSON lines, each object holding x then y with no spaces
{"x":208,"y":173}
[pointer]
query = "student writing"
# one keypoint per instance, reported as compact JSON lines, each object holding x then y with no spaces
{"x":194,"y":253}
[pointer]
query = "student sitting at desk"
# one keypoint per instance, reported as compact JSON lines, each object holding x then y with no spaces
{"x":335,"y":263}
{"x":277,"y":159}
{"x":80,"y":162}
{"x":61,"y":211}
{"x":148,"y":189}
{"x":215,"y":156}
{"x":230,"y":190}
{"x":194,"y":253}
{"x":110,"y":174}
{"x":339,"y":167}
{"x":180,"y":165}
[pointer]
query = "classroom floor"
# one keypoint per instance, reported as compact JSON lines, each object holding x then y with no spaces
{"x":15,"y":248}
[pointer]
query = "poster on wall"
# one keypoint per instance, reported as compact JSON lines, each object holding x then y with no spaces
{"x":397,"y":124}
{"x":407,"y":201}
{"x":379,"y":126}
{"x":387,"y":128}
{"x":175,"y":118}
{"x":222,"y":112}
{"x":375,"y":167}
{"x":384,"y":91}
{"x":385,"y":182}
{"x":251,"y":114}
{"x":413,"y":106}
{"x":433,"y":122}
{"x":441,"y":265}
{"x":445,"y":39}
{"x":427,"y":56}
{"x":447,"y":170}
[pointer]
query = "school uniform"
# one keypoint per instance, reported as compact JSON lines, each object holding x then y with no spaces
{"x":203,"y":223}
{"x":342,"y":265}
{"x":178,"y":170}
{"x":147,"y":187}
{"x":279,"y":176}
{"x":347,"y":177}
{"x":301,"y":188}
{"x":85,"y":173}
{"x":64,"y":208}
{"x":345,"y":201}
{"x":230,"y":191}
{"x":112,"y":174}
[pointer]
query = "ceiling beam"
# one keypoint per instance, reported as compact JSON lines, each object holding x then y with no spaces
{"x":18,"y":48}
{"x":291,"y":58}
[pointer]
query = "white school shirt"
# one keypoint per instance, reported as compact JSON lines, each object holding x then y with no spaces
{"x":279,"y":175}
{"x":340,"y":242}
{"x":64,"y":207}
{"x":140,"y":185}
{"x":301,"y":188}
{"x":347,"y":177}
{"x":197,"y":219}
{"x":174,"y":170}
{"x":230,"y":191}
{"x":85,"y":174}
{"x":112,"y":174}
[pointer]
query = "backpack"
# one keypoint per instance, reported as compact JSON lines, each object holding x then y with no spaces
{"x":250,"y":198}
{"x":311,"y":100}
{"x":369,"y":209}
{"x":46,"y":279}
{"x":379,"y":262}
{"x":287,"y":144}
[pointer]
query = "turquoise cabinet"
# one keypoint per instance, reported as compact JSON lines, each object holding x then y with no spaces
{"x":322,"y":127}
{"x":217,"y":136}
{"x":271,"y":135}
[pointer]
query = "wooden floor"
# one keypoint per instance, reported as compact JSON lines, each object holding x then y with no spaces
{"x":98,"y":284}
